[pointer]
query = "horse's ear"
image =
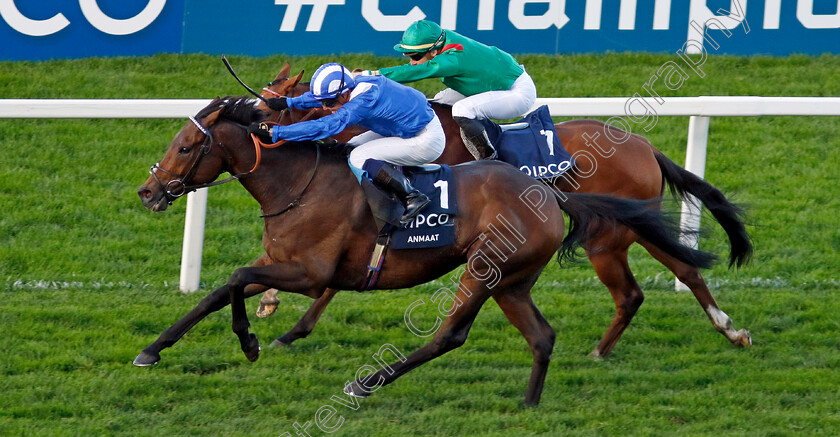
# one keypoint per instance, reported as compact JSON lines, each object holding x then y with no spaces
{"x":295,"y":80}
{"x":210,"y":119}
{"x":284,"y":72}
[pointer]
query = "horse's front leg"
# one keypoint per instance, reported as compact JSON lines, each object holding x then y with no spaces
{"x":214,"y":301}
{"x":210,"y":304}
{"x":289,"y":276}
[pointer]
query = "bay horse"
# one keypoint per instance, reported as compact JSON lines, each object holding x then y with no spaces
{"x":632,"y":169}
{"x":325,"y":240}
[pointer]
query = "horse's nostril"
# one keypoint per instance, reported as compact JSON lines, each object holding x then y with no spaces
{"x":145,"y":193}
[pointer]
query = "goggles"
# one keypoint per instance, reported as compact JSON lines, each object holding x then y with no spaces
{"x":416,"y":56}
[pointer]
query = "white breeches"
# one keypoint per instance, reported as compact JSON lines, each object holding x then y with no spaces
{"x":494,"y":105}
{"x":423,"y":148}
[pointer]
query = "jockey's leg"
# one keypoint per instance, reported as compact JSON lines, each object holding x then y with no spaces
{"x":448,"y":96}
{"x":423,"y":148}
{"x":392,"y":180}
{"x":475,"y":137}
{"x":494,"y":105}
{"x":377,"y":157}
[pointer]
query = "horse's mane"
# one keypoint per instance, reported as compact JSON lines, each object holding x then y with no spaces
{"x":243,"y":110}
{"x":238,"y":109}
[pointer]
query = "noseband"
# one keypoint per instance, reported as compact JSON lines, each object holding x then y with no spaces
{"x":179,"y":184}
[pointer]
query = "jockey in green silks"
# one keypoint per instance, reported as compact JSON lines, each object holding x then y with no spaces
{"x":483,"y":82}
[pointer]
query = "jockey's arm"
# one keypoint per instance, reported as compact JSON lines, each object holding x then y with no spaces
{"x":440,"y":66}
{"x":350,"y":113}
{"x":304,"y":101}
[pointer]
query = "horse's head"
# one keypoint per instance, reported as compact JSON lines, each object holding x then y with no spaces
{"x":284,"y":86}
{"x":203,"y":149}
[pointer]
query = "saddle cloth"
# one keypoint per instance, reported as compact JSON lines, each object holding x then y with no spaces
{"x":435,"y":225}
{"x":531,"y":145}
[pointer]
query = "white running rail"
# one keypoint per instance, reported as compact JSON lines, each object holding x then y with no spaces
{"x":699,"y":109}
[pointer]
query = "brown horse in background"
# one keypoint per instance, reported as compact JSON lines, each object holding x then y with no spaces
{"x":632,"y":169}
{"x":334,"y":233}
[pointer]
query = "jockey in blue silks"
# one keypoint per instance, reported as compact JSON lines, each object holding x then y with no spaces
{"x":403,"y":128}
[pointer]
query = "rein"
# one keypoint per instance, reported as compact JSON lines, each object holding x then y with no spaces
{"x":297,"y":200}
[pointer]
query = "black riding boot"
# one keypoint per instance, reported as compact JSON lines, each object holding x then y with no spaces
{"x":472,"y":131}
{"x":394,"y":182}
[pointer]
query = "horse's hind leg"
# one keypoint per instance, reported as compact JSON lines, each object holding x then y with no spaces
{"x":307,"y":323}
{"x":692,"y":278}
{"x":521,"y":311}
{"x":613,"y":270}
{"x":451,"y":335}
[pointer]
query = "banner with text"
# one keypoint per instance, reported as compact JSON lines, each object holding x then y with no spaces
{"x":77,"y":28}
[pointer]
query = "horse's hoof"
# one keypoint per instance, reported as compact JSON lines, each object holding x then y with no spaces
{"x":356,"y":390}
{"x":744,"y":338}
{"x":596,"y":355}
{"x":266,"y":309}
{"x":279,"y":343}
{"x":252,"y":349}
{"x":146,"y":359}
{"x":268,"y":303}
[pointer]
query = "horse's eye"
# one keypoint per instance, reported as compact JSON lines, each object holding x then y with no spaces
{"x":184,"y":150}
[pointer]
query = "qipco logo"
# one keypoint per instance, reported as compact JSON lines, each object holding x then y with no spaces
{"x":92,"y":13}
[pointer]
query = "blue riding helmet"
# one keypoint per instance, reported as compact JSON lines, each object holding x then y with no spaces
{"x":330,"y":81}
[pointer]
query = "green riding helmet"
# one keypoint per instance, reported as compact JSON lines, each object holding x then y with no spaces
{"x":422,"y":36}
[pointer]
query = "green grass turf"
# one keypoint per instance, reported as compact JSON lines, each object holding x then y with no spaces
{"x":88,"y":278}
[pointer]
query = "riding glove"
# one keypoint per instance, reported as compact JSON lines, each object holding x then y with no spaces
{"x":277,"y":103}
{"x":262,"y":131}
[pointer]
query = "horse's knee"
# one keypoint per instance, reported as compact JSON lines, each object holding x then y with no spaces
{"x":238,"y":278}
{"x":631,"y":302}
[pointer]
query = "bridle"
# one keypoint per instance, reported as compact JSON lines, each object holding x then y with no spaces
{"x":281,"y":115}
{"x":179,"y":184}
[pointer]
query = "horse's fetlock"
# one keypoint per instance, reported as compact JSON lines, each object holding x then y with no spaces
{"x":240,"y":326}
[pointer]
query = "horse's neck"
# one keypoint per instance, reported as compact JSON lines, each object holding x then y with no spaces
{"x":297,"y":170}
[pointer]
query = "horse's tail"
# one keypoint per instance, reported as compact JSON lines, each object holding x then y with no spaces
{"x":591,"y":214}
{"x":682,"y":182}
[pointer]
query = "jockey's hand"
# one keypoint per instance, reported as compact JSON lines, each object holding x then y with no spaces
{"x":277,"y":103}
{"x":359,"y":72}
{"x":262,"y":131}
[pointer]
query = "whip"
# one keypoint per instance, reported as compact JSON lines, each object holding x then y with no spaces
{"x":233,"y":73}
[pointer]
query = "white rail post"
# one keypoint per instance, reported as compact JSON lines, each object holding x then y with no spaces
{"x":695,"y":162}
{"x":193,"y":240}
